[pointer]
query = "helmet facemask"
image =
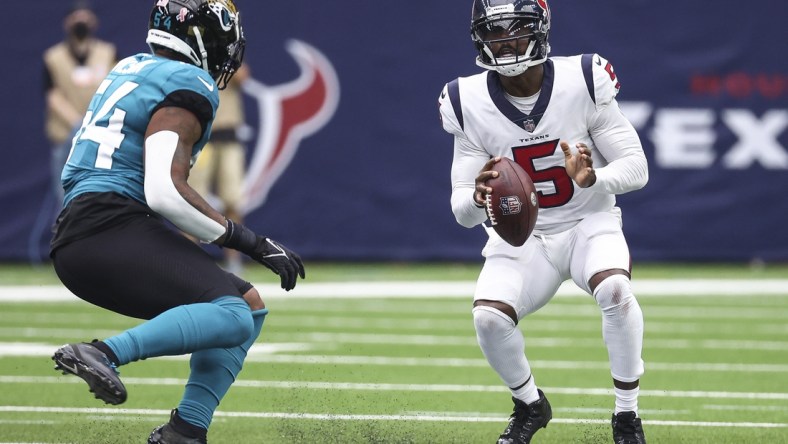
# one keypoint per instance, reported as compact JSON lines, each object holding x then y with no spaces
{"x":224,"y":43}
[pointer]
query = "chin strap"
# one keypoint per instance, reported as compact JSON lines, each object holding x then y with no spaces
{"x":203,"y":52}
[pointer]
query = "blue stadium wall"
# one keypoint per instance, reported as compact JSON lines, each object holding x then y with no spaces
{"x":705,"y":83}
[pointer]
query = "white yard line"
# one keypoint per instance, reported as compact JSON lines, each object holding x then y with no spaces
{"x":272,"y":353}
{"x":444,"y":388}
{"x":451,"y":289}
{"x":329,"y":340}
{"x":333,"y":417}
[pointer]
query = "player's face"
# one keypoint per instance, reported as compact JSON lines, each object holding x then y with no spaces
{"x":506,"y":38}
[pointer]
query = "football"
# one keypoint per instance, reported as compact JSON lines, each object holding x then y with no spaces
{"x":512,"y":206}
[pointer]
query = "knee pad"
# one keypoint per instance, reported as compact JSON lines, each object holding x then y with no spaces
{"x":503,"y":345}
{"x":613,"y":292}
{"x":490,"y":322}
{"x":237,"y":319}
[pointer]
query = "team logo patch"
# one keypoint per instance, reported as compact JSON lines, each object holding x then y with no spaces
{"x":529,"y":125}
{"x":511,"y":205}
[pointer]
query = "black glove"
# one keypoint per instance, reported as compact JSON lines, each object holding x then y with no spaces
{"x":272,"y":254}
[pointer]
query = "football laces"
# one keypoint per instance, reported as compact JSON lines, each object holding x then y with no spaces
{"x":488,"y":207}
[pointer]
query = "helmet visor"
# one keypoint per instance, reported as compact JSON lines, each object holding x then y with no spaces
{"x":504,"y":29}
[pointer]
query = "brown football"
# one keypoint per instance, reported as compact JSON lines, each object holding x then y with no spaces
{"x":513,"y":205}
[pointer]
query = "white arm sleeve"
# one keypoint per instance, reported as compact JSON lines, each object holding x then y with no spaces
{"x":164,"y":198}
{"x":468,"y":160}
{"x":617,"y":140}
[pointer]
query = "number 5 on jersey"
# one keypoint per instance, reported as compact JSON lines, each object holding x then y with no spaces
{"x":564,"y":190}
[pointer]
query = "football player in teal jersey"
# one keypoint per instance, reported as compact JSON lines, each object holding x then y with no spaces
{"x":125,"y":180}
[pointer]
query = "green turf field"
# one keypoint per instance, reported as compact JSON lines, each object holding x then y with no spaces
{"x":376,"y":367}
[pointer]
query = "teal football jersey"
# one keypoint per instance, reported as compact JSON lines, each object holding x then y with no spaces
{"x":107,"y":151}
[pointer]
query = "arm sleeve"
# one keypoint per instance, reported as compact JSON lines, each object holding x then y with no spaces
{"x":468,"y":160}
{"x":163,"y":197}
{"x":618,"y":142}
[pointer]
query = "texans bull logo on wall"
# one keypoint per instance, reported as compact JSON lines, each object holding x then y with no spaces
{"x":289,"y":113}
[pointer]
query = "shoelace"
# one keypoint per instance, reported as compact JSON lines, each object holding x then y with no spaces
{"x":526,"y":417}
{"x":629,"y":430}
{"x":111,"y":365}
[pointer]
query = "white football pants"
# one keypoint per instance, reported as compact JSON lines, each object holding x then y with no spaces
{"x":527,"y":280}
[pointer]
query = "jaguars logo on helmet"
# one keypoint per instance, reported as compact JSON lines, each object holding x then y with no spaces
{"x":519,"y":27}
{"x":207,"y":33}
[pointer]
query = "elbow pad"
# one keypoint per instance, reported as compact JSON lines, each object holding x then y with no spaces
{"x":164,"y":198}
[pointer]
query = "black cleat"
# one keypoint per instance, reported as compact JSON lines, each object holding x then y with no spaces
{"x":526,"y":420}
{"x":627,"y":429}
{"x":92,"y":365}
{"x":166,"y":433}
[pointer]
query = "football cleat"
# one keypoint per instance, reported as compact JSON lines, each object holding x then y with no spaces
{"x":93,"y":366}
{"x":526,"y":420}
{"x":166,"y":434}
{"x":627,"y":429}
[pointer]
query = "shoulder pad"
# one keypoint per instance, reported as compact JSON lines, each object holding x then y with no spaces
{"x":601,"y":79}
{"x":188,"y":77}
{"x":450,"y":106}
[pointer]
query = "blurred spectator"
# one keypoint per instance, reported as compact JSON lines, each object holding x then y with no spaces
{"x":73,"y":70}
{"x":221,"y":166}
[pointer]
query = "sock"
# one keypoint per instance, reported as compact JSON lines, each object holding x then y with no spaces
{"x":526,"y":392}
{"x":186,"y":429}
{"x":212,"y":373}
{"x":104,"y":348}
{"x":622,"y":327}
{"x":626,"y":400}
{"x":504,"y":347}
{"x":224,"y":322}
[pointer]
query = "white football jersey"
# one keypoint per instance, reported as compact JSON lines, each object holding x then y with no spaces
{"x":576,"y":104}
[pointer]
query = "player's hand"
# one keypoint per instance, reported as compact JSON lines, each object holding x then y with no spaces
{"x":268,"y":252}
{"x":280,"y":260}
{"x":485,"y":174}
{"x":579,"y":165}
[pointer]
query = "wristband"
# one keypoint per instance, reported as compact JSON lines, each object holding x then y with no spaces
{"x":240,"y":238}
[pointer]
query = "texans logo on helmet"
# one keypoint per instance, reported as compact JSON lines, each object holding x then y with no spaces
{"x":543,"y":4}
{"x":289,"y":113}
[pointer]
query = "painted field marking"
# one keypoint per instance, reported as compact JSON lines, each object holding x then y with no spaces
{"x":269,"y":354}
{"x":278,"y":342}
{"x":438,"y":289}
{"x":336,"y":417}
{"x":316,"y":385}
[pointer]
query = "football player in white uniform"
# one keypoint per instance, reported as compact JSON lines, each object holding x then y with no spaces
{"x":557,"y":118}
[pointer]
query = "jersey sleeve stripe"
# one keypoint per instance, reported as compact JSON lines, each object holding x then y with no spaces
{"x":588,"y":74}
{"x":454,"y":97}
